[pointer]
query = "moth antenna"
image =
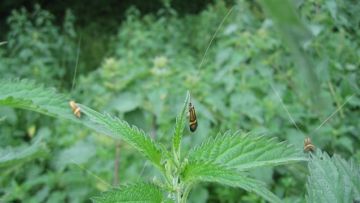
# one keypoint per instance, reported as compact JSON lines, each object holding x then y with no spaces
{"x":333,"y":114}
{"x":91,"y":174}
{"x":213,"y":37}
{"x":76,"y":64}
{"x":287,"y":111}
{"x":142,"y":170}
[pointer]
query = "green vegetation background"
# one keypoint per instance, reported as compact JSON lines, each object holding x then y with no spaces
{"x":138,"y":66}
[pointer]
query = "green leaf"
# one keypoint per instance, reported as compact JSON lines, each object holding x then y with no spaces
{"x":117,"y":128}
{"x":244,"y":152}
{"x":139,"y":192}
{"x":27,"y":95}
{"x":180,"y":124}
{"x":224,"y":158}
{"x":332,"y":179}
{"x":18,"y":155}
{"x":212,"y":172}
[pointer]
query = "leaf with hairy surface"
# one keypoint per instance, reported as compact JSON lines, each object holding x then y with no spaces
{"x":117,"y":128}
{"x":332,"y":179}
{"x":244,"y":152}
{"x":27,"y":95}
{"x":180,"y":124}
{"x":14,"y":156}
{"x":211,"y":172}
{"x":139,"y":192}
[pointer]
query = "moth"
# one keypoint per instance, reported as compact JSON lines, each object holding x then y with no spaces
{"x":192,"y":118}
{"x":76,"y":110}
{"x":308,"y":146}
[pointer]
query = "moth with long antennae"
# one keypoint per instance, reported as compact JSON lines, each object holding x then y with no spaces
{"x":308,"y":146}
{"x":193,"y":124}
{"x":75,"y":108}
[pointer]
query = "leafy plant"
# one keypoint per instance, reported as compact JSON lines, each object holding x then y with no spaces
{"x":12,"y":157}
{"x":223,"y":159}
{"x":332,"y":179}
{"x":36,"y":48}
{"x":152,"y":61}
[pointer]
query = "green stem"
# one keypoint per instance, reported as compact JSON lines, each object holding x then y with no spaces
{"x":185,"y":194}
{"x":178,"y":196}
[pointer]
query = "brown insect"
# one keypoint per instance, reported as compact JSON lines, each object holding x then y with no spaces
{"x":308,"y":146}
{"x":192,"y":118}
{"x":76,"y":110}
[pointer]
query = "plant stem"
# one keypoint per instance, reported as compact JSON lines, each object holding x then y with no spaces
{"x":185,"y":194}
{"x":154,"y":127}
{"x":178,"y":196}
{"x":116,"y":164}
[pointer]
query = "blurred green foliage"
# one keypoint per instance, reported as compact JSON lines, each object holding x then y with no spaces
{"x":151,"y":62}
{"x":38,"y":48}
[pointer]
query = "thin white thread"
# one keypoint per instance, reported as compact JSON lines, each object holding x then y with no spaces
{"x":142,"y":171}
{"x":338,"y":109}
{"x":76,"y":64}
{"x":213,"y":37}
{"x":91,"y":173}
{"x":284,"y":107}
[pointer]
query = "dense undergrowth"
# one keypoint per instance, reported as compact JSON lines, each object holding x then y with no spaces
{"x":248,"y":76}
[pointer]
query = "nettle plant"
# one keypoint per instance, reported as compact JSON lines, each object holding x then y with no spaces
{"x":224,"y":159}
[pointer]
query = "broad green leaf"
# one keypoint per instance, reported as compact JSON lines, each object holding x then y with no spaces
{"x":117,"y":128}
{"x":351,"y":173}
{"x":139,"y":192}
{"x":244,"y":152}
{"x":13,"y":156}
{"x":332,"y":179}
{"x":211,"y":172}
{"x":27,"y":95}
{"x":180,"y":124}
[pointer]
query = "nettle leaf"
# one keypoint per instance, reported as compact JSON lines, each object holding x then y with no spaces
{"x":117,"y":128}
{"x":332,"y":179}
{"x":13,"y":156}
{"x":180,"y":125}
{"x":244,"y":152}
{"x":224,"y":159}
{"x":139,"y":192}
{"x":26,"y":94}
{"x":212,"y":172}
